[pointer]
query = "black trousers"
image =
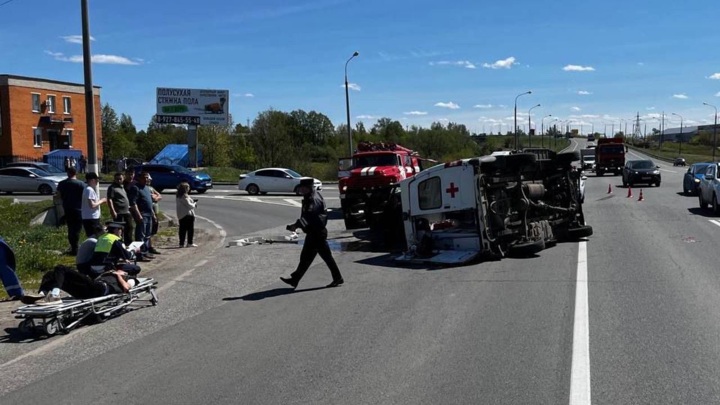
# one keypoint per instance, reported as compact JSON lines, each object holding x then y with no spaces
{"x":129,"y":229}
{"x":89,"y":226}
{"x":74,"y":223}
{"x":76,"y":284}
{"x":316,"y":243}
{"x":187,"y":227}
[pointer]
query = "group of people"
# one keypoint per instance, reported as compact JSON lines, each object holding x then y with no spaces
{"x":79,"y":165}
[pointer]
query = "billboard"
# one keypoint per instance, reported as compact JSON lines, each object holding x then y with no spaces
{"x":192,"y":106}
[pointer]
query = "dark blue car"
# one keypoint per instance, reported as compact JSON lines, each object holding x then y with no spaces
{"x":169,"y":176}
{"x":691,"y":180}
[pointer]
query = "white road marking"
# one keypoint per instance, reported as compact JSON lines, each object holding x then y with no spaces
{"x":293,"y":202}
{"x":580,"y":369}
{"x":715,"y":221}
{"x":253,"y":199}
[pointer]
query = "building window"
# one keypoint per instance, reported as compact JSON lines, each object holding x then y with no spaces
{"x":51,"y":104}
{"x":66,"y":105}
{"x":68,"y":133}
{"x":430,"y":194}
{"x":35,"y":102}
{"x":37,"y":137}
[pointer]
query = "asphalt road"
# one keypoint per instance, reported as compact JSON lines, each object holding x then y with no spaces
{"x":500,"y":332}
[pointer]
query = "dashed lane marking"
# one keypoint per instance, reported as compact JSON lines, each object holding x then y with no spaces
{"x":716,"y":222}
{"x":580,"y":368}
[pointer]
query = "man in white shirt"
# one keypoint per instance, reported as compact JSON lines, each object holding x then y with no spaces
{"x":91,"y":204}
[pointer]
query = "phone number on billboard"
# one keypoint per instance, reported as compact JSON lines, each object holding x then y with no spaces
{"x":174,"y":119}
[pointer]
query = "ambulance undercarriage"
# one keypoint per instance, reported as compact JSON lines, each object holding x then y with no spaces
{"x":492,"y":206}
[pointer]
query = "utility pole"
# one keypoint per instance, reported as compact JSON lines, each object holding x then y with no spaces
{"x":89,"y":96}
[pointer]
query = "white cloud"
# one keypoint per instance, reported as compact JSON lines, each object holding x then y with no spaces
{"x":650,"y":108}
{"x":575,"y":108}
{"x":449,"y":105}
{"x":462,"y":63}
{"x":641,"y":64}
{"x":501,"y":64}
{"x":99,"y":59}
{"x":365,"y":117}
{"x":717,"y":94}
{"x":482,"y":106}
{"x":75,"y":39}
{"x":578,"y":68}
{"x":584,"y":93}
{"x":715,"y":76}
{"x":680,"y":96}
{"x":415,"y":113}
{"x":248,"y":95}
{"x":443,"y":120}
{"x":352,"y":86}
{"x":502,"y":106}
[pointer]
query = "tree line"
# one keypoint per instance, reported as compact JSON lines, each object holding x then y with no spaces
{"x":307,"y":142}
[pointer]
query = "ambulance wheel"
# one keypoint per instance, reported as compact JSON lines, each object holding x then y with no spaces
{"x":527,"y":248}
{"x":51,"y":327}
{"x":579,"y":232}
{"x":26,"y":327}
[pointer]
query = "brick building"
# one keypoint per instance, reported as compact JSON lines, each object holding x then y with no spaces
{"x":38,"y":116}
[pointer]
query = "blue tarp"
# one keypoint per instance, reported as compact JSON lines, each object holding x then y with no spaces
{"x":174,"y":154}
{"x":57,"y":157}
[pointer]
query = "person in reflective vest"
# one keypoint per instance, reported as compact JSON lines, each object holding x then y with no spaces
{"x":112,"y":254}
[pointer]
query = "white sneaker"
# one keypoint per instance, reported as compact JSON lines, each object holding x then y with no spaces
{"x":191,"y":245}
{"x":49,"y":300}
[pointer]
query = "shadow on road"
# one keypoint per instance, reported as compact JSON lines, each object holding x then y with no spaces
{"x":707,"y":213}
{"x":275,"y":292}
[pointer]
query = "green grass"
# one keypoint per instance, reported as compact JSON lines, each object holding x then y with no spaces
{"x":692,"y":153}
{"x":223,"y":174}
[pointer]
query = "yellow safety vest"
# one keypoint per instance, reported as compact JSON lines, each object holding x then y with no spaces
{"x":105,"y":242}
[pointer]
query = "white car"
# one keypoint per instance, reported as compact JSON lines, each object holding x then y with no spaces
{"x":273,"y":180}
{"x":28,"y":180}
{"x":709,"y":190}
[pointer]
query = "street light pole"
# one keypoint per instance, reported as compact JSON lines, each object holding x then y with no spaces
{"x":681,"y":133}
{"x":515,"y":117}
{"x":530,"y":126}
{"x":714,"y":130}
{"x":542,"y":130}
{"x":347,"y":104}
{"x":89,"y":94}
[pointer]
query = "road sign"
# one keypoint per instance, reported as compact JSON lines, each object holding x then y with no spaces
{"x":192,"y":106}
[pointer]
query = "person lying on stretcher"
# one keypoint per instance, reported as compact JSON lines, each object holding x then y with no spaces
{"x":78,"y":285}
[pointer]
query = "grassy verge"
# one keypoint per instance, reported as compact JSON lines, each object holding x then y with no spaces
{"x":223,"y":174}
{"x":691,"y":153}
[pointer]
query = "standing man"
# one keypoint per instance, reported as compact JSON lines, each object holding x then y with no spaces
{"x":313,"y":219}
{"x":82,"y":163}
{"x":119,"y":204}
{"x":70,"y":191}
{"x":131,"y":191}
{"x":91,"y":204}
{"x":147,"y":215}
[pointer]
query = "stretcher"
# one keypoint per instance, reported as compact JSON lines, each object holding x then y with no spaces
{"x":63,"y":317}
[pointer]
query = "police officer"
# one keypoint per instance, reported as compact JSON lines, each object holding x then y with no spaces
{"x":111,"y":254}
{"x":313,"y":219}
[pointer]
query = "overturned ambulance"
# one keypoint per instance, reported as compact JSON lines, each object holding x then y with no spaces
{"x":492,"y":206}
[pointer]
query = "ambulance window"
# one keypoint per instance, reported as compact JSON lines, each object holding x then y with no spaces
{"x":429,"y":194}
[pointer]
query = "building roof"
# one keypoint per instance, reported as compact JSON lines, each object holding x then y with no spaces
{"x":6,"y":79}
{"x":685,"y":130}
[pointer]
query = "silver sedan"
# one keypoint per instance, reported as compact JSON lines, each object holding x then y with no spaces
{"x":28,"y":180}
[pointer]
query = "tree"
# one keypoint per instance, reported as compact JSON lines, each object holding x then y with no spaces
{"x":270,"y":139}
{"x":215,"y":144}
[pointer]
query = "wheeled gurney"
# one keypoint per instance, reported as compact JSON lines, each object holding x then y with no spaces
{"x":63,"y":317}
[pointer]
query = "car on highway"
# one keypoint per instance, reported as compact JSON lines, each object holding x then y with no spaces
{"x":28,"y":180}
{"x":709,"y":190}
{"x":590,"y":145}
{"x":273,"y":179}
{"x":693,"y":176}
{"x":169,"y":176}
{"x":679,"y":162}
{"x":39,"y":165}
{"x":641,"y":171}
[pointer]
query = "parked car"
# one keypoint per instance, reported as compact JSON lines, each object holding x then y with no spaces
{"x":47,"y":167}
{"x":693,"y":176}
{"x":679,"y":162}
{"x":169,"y":176}
{"x":641,"y":171}
{"x":709,"y":190}
{"x":273,"y":179}
{"x":28,"y":180}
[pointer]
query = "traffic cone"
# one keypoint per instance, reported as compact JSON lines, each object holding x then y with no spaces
{"x":629,"y":192}
{"x":641,"y":196}
{"x":609,"y":189}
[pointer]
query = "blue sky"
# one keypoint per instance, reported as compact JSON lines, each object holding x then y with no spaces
{"x":593,"y":63}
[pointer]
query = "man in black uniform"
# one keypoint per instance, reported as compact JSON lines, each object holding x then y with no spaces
{"x":313,"y":219}
{"x":70,"y":191}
